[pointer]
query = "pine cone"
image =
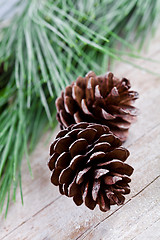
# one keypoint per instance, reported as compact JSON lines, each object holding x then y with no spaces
{"x":99,"y":99}
{"x":87,"y":163}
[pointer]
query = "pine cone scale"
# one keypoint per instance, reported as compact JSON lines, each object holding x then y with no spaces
{"x":88,"y":134}
{"x":70,"y":105}
{"x":100,"y":172}
{"x":62,"y":144}
{"x":52,"y":161}
{"x":103,"y":202}
{"x":63,"y":160}
{"x":66,"y":176}
{"x":78,"y":199}
{"x":55,"y":176}
{"x":95,"y":189}
{"x":78,"y":146}
{"x":73,"y":189}
{"x":76,"y":162}
{"x":87,"y":196}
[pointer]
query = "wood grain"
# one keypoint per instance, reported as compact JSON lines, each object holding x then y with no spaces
{"x":48,"y":215}
{"x":133,"y":219}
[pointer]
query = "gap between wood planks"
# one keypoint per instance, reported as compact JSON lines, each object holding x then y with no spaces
{"x":92,"y":227}
{"x":154,"y":129}
{"x":88,"y":231}
{"x":30,"y":217}
{"x":104,"y":230}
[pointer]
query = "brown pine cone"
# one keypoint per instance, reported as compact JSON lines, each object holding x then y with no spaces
{"x":99,"y":99}
{"x":87,"y":163}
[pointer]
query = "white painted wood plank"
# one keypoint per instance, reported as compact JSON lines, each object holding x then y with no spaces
{"x":145,"y":159}
{"x":63,"y":220}
{"x":150,"y":233}
{"x":130,"y":221}
{"x":33,"y":188}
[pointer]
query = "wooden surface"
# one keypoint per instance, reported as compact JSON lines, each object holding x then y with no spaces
{"x":48,"y":215}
